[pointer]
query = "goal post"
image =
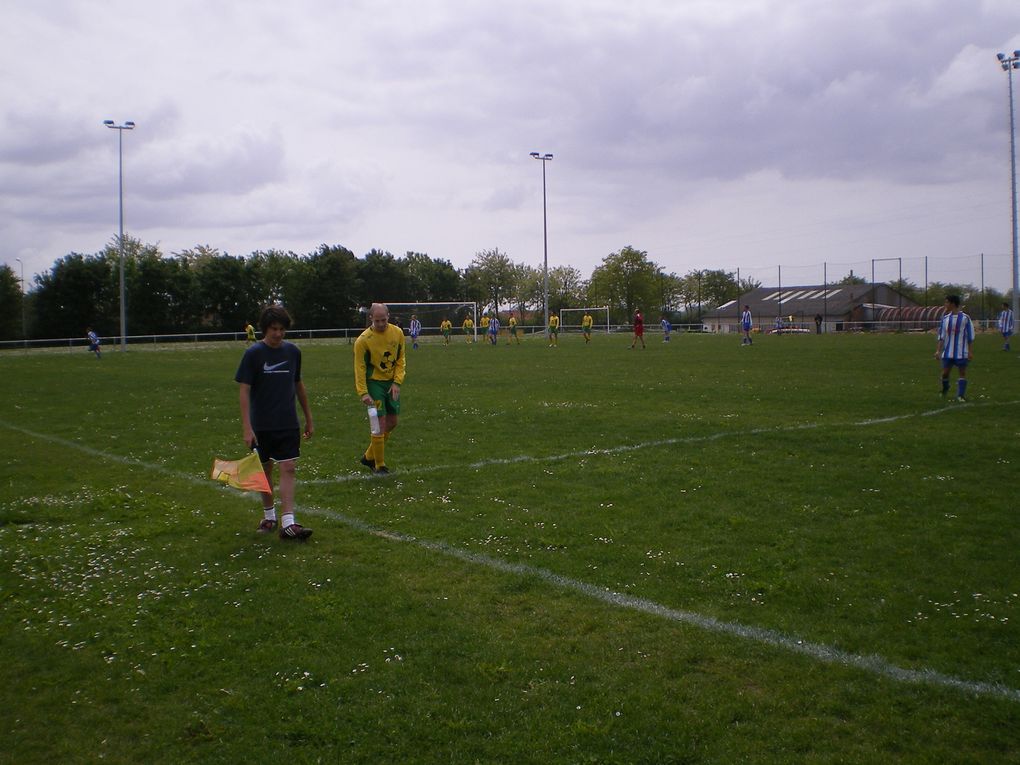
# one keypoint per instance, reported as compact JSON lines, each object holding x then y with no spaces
{"x":570,"y":318}
{"x":431,"y":314}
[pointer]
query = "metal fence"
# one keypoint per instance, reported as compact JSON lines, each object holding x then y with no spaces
{"x":349,"y":335}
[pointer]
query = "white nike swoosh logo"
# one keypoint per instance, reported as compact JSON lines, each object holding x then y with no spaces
{"x":268,"y":368}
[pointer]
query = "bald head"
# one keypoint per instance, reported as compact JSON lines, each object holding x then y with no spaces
{"x":379,"y":313}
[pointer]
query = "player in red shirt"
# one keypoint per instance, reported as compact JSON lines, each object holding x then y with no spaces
{"x":639,"y":329}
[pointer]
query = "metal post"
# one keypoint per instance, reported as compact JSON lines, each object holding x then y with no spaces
{"x":545,"y":242}
{"x":24,"y":332}
{"x":1008,"y":64}
{"x":120,"y":239}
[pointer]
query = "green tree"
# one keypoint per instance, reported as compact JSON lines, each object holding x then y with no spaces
{"x":624,"y":281}
{"x":161,"y":292}
{"x":273,"y":276}
{"x":224,"y":298}
{"x":489,"y":278}
{"x":526,"y":290}
{"x":11,"y":298}
{"x":670,"y":292}
{"x":431,"y":281}
{"x":851,"y":279}
{"x":77,"y":292}
{"x":566,"y":288}
{"x":329,"y":289}
{"x":384,"y":279}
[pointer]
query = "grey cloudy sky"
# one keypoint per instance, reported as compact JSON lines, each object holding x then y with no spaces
{"x":741,"y":134}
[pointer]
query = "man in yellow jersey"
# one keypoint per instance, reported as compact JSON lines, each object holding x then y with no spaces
{"x":512,"y":323}
{"x":469,"y":329}
{"x":554,"y":330}
{"x":445,"y":327}
{"x":484,"y":323}
{"x":586,"y":323}
{"x":379,"y":366}
{"x":249,"y":332}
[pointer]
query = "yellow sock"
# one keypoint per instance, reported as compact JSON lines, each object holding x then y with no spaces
{"x":378,"y":449}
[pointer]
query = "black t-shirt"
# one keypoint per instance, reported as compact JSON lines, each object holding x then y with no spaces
{"x":272,"y":374}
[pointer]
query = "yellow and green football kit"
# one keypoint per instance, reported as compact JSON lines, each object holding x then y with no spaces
{"x":379,"y":363}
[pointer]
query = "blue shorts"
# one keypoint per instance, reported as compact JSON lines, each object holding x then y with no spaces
{"x":950,"y":363}
{"x":278,"y":445}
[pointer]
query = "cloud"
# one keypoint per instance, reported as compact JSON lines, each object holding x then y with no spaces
{"x":264,"y":125}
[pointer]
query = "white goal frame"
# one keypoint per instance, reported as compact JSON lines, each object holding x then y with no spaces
{"x":592,"y":310}
{"x":449,"y":304}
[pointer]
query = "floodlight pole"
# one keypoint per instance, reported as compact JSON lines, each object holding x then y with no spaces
{"x":1008,"y":64}
{"x":120,"y":239}
{"x":545,"y":241}
{"x":24,"y":334}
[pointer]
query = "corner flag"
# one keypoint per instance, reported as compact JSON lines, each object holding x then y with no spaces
{"x":245,"y":474}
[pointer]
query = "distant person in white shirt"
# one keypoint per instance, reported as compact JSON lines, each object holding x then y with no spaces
{"x":1006,"y":325}
{"x":956,"y":334}
{"x":415,"y":330}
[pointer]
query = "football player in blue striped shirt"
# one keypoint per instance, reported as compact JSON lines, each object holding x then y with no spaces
{"x":415,"y":330}
{"x":746,"y":321}
{"x":956,"y":334}
{"x":1006,"y":324}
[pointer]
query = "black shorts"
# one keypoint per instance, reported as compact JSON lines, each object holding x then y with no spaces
{"x":278,"y":445}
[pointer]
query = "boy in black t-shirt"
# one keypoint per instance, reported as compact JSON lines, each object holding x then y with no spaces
{"x":270,"y":379}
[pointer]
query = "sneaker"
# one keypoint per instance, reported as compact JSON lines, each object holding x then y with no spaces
{"x":367,"y":462}
{"x":295,"y":532}
{"x":961,"y":400}
{"x":383,"y":470}
{"x":266,"y":526}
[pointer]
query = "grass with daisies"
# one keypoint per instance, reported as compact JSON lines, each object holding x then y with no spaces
{"x":537,"y":580}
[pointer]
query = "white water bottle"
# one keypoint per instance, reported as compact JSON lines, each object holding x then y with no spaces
{"x":373,"y":421}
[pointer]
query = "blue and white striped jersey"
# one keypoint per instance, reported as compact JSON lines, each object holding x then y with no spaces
{"x":415,"y":328}
{"x":956,"y":332}
{"x":1006,"y":322}
{"x":746,"y":320}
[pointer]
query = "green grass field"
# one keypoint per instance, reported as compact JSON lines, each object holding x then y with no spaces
{"x":695,"y":553}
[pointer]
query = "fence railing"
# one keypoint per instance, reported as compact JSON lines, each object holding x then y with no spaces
{"x":349,"y":335}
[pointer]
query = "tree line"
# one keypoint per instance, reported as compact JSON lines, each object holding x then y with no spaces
{"x":204,"y":290}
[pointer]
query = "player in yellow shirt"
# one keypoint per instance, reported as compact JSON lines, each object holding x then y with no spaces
{"x":445,"y":327}
{"x":469,"y":329}
{"x":249,"y":331}
{"x":586,"y":323}
{"x":554,"y":331}
{"x":379,"y":367}
{"x":484,"y":323}
{"x":512,"y":323}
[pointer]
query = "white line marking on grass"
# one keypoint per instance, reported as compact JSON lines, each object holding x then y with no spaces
{"x":872,"y":664}
{"x":656,"y":444}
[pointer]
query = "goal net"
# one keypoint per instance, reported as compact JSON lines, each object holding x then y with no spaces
{"x":570,"y":318}
{"x":432,"y":314}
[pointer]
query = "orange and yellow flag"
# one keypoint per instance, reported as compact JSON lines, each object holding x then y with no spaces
{"x":245,"y":474}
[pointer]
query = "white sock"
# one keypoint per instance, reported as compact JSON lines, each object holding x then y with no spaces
{"x":288,"y":520}
{"x":269,"y":513}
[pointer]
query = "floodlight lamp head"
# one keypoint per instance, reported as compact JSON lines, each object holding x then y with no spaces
{"x":1016,"y":54}
{"x":534,"y":154}
{"x":108,"y":123}
{"x":129,"y":125}
{"x":1000,"y":56}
